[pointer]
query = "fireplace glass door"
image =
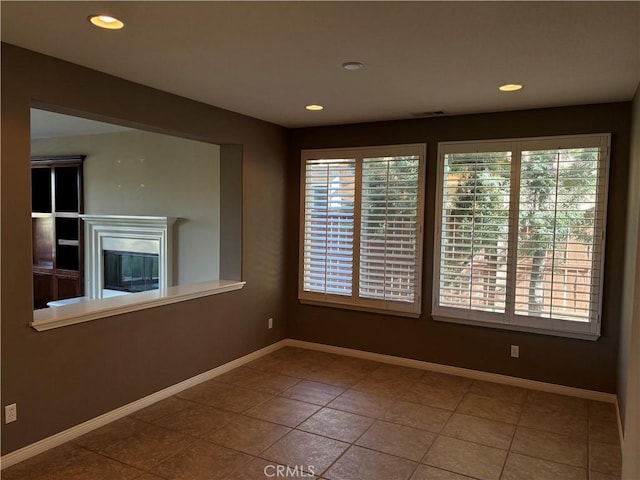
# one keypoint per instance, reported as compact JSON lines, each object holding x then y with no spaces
{"x":130,"y":271}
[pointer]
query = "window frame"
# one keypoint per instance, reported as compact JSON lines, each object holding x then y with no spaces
{"x":355,"y":302}
{"x":509,"y":319}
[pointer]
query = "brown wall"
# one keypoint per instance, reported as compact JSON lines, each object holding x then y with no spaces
{"x":65,"y":376}
{"x":578,"y":363}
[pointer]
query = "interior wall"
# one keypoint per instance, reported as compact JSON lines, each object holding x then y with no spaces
{"x":63,"y":377}
{"x":231,"y":212}
{"x":578,"y":363}
{"x":144,"y":173}
{"x":629,"y":360}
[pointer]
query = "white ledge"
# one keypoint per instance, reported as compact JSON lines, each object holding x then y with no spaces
{"x":56,"y":317}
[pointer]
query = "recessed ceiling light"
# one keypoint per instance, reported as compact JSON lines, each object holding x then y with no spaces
{"x":352,"y":65}
{"x":510,"y":87}
{"x":314,"y":107}
{"x":105,"y":21}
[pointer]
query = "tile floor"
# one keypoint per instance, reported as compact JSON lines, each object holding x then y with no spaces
{"x":339,"y":418}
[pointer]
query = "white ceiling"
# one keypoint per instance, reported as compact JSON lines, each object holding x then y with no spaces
{"x":52,"y":125}
{"x":270,"y":59}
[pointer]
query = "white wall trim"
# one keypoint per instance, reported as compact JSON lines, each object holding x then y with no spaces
{"x":462,"y":372}
{"x":97,"y":422}
{"x":74,"y":432}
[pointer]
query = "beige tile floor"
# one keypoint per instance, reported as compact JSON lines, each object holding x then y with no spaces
{"x":342,"y":418}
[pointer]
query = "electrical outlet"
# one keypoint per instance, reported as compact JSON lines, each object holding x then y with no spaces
{"x":10,"y":413}
{"x":270,"y":323}
{"x":515,"y":351}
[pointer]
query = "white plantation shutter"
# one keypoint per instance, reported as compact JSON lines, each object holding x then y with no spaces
{"x":328,"y":226}
{"x":361,"y":228}
{"x":520,"y":234}
{"x":475,"y":230}
{"x":559,"y":257}
{"x":389,"y":228}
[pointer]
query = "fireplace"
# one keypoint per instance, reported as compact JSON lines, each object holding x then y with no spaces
{"x":127,"y":254}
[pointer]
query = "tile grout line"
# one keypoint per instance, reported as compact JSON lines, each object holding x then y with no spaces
{"x":395,"y":401}
{"x":143,"y":471}
{"x":546,"y":431}
{"x":375,"y":420}
{"x":197,"y":439}
{"x":515,"y":432}
{"x":353,"y":443}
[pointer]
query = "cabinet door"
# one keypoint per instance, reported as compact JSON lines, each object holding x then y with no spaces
{"x":42,"y":289}
{"x":43,"y":247}
{"x":68,"y":287}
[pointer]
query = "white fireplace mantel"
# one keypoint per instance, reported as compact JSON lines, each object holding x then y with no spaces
{"x":148,"y":234}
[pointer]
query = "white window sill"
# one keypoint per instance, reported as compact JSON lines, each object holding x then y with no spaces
{"x":519,"y":328}
{"x":56,"y":317}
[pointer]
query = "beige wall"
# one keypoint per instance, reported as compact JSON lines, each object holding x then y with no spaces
{"x":144,"y":173}
{"x":63,"y":377}
{"x":629,"y":363}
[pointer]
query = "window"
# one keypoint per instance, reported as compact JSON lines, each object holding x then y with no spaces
{"x":361,"y":228}
{"x":519,"y":239}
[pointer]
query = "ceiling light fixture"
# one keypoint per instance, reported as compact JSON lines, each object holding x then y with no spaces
{"x":105,"y":21}
{"x":314,"y":108}
{"x":352,"y":66}
{"x":510,"y":87}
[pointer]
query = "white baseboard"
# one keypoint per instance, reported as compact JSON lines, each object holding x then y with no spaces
{"x":462,"y":372}
{"x":620,"y":427}
{"x":85,"y":427}
{"x":97,"y":422}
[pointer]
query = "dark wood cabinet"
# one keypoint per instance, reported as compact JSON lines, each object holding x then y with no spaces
{"x":57,"y":231}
